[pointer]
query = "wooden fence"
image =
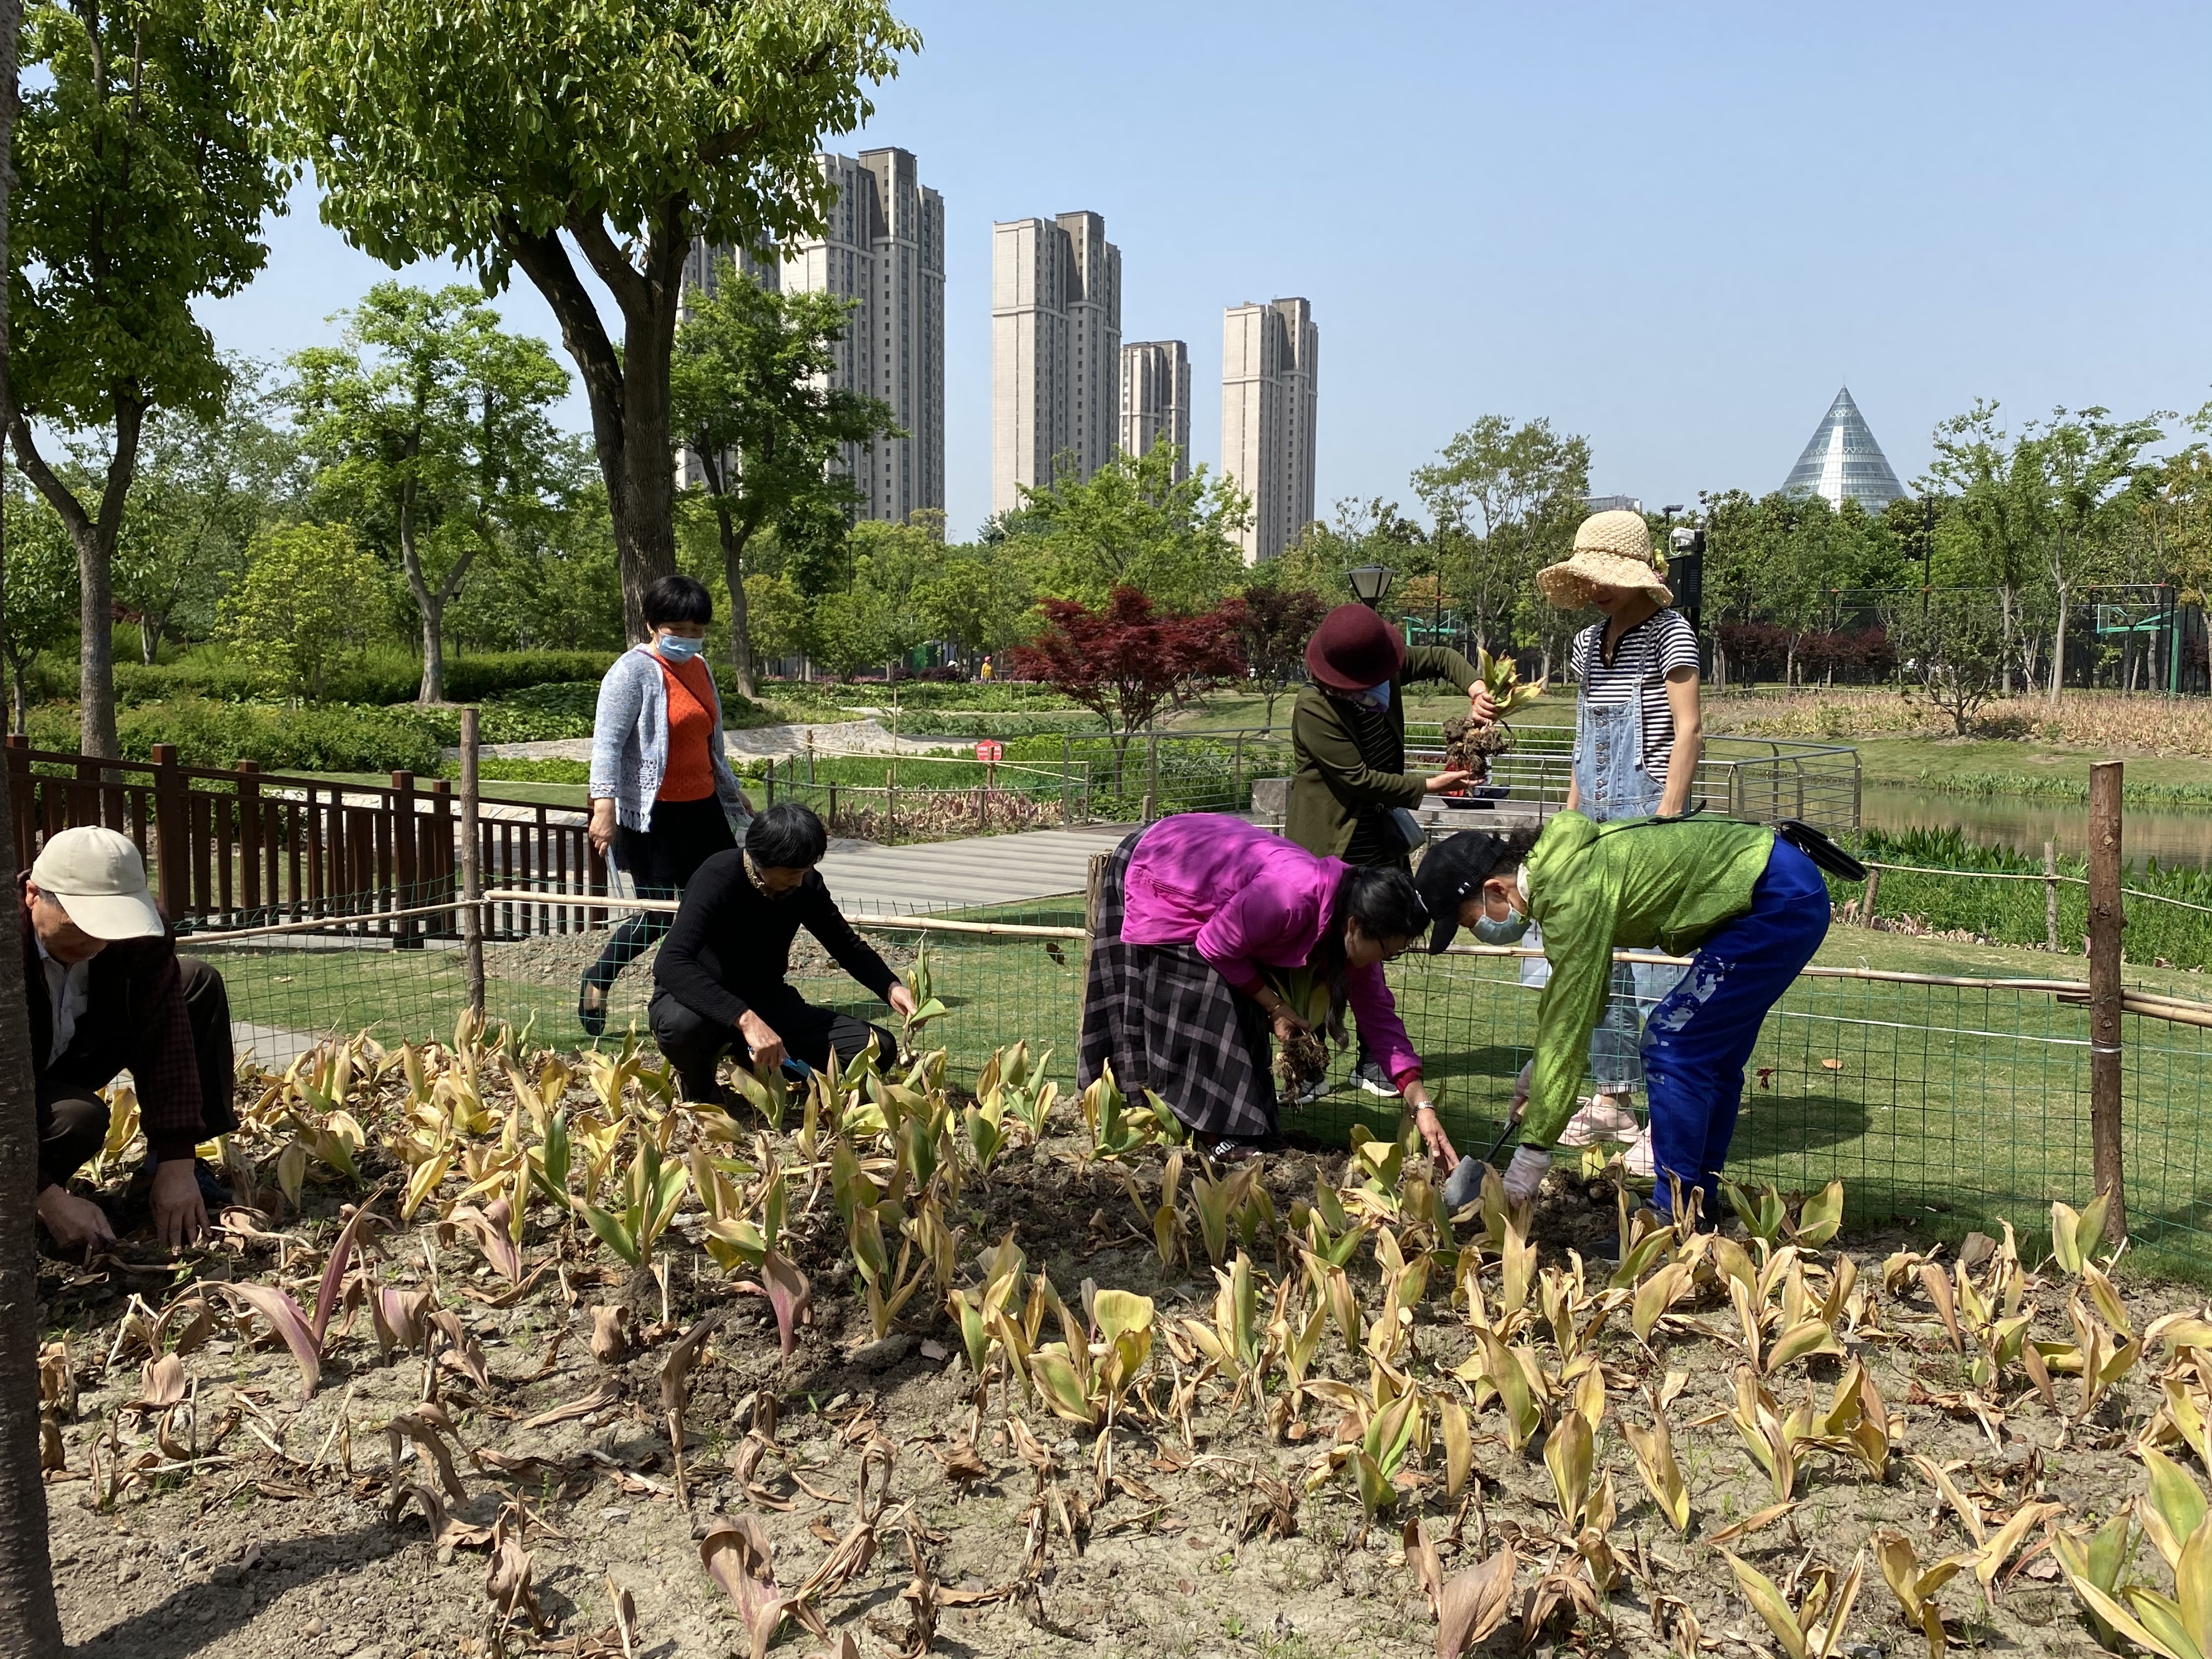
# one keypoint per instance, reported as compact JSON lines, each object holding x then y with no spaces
{"x":242,"y":848}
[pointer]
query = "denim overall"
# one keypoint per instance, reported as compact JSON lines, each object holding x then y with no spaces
{"x":1611,"y":782}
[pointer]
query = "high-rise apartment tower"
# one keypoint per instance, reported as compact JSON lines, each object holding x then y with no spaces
{"x":1156,"y":399}
{"x":884,"y":248}
{"x":1269,"y":356}
{"x":1055,"y":351}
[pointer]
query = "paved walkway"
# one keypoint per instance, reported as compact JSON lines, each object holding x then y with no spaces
{"x":946,"y":875}
{"x":868,"y":737}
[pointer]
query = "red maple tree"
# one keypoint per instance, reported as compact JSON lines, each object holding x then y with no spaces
{"x":1129,"y":663}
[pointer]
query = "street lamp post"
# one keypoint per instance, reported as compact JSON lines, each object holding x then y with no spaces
{"x":1370,"y":584}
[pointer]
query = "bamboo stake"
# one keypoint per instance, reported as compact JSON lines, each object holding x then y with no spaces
{"x":2107,"y":995}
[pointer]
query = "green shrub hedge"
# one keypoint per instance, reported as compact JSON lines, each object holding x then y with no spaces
{"x":322,"y":738}
{"x":379,"y":679}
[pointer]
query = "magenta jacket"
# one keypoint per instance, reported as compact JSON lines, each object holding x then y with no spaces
{"x":1247,"y":900}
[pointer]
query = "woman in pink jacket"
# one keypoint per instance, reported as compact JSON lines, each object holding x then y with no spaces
{"x":1191,"y":911}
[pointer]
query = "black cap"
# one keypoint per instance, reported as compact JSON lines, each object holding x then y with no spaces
{"x":1450,"y":870}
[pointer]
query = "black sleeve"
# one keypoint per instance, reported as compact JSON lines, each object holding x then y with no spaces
{"x":708,"y":899}
{"x":853,"y":954}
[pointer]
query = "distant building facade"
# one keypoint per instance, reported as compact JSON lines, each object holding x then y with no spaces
{"x":883,"y":248}
{"x":1156,"y":399}
{"x":1270,"y":357}
{"x":1055,"y":351}
{"x":1842,"y":462}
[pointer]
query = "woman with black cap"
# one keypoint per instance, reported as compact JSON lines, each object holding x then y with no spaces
{"x":1348,"y":738}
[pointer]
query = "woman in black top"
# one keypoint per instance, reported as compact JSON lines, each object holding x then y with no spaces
{"x":722,"y":977}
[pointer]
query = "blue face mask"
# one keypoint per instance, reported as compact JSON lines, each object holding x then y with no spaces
{"x":1377,"y":695}
{"x":1508,"y":932}
{"x":677,"y":649}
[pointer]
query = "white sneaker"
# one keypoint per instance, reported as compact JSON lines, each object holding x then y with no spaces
{"x":1307,"y":1096}
{"x":1638,"y":1159}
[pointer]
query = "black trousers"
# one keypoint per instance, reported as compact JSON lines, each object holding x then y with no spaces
{"x":695,"y":1044}
{"x":685,"y":834}
{"x":69,"y":1089}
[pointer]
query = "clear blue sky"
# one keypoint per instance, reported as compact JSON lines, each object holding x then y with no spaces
{"x":1675,"y":230}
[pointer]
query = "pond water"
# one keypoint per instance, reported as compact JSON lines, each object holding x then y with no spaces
{"x":2173,"y":836}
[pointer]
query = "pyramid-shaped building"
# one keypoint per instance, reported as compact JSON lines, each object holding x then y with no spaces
{"x":1843,"y":462}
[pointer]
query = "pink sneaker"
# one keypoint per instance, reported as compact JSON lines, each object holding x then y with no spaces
{"x":1598,"y":1119}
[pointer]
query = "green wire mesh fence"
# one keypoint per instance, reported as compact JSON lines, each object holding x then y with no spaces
{"x":1944,"y":1105}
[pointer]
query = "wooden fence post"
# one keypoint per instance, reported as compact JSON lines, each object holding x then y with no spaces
{"x":471,"y":875}
{"x":172,"y":832}
{"x":21,"y":806}
{"x":1152,"y":774}
{"x":2105,"y":920}
{"x":406,"y":870}
{"x":2051,"y":896}
{"x":249,"y":840}
{"x":1873,"y":893}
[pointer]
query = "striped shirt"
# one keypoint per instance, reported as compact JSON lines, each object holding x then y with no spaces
{"x":1654,"y":648}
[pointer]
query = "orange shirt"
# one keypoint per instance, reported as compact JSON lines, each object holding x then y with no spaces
{"x":689,"y":774}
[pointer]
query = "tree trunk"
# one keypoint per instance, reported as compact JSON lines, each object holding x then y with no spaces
{"x":627,"y":390}
{"x":733,"y":572}
{"x":149,"y":639}
{"x":29,"y":1624}
{"x":94,"y":541}
{"x":2058,"y":653}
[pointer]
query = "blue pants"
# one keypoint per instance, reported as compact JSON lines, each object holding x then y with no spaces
{"x":1700,"y":1037}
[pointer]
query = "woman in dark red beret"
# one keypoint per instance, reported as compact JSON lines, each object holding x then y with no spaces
{"x":1348,"y":733}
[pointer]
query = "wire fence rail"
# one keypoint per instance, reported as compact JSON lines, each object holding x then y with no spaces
{"x":1946,"y":1103}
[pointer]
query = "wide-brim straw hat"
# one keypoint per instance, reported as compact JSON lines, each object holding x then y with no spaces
{"x":1612,"y":550}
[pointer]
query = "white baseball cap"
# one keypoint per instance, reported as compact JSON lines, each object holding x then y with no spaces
{"x":97,"y":876}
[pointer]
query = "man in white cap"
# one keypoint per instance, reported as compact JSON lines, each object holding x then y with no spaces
{"x":108,"y":992}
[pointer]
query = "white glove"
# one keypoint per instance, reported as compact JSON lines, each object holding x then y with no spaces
{"x":1526,"y":1173}
{"x":1521,"y":1087}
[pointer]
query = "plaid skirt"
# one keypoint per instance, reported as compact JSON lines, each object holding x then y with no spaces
{"x":1165,"y":1018}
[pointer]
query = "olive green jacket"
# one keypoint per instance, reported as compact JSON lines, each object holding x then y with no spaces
{"x":1635,"y":884}
{"x":1333,"y":784}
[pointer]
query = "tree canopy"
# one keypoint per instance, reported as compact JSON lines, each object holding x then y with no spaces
{"x":765,"y":432}
{"x":143,"y":190}
{"x":431,"y":423}
{"x":532,"y":134}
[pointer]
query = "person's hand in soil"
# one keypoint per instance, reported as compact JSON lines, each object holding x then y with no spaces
{"x":78,"y":1224}
{"x":761,"y":1038}
{"x":180,"y":1211}
{"x":1444,"y":783}
{"x":1431,"y":1126}
{"x":601,"y":831}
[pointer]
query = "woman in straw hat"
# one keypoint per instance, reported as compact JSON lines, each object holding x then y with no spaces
{"x":1638,"y":732}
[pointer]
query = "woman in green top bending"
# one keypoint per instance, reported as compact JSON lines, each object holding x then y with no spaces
{"x":1753,"y":908}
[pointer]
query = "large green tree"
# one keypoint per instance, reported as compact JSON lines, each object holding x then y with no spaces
{"x":143,"y":190}
{"x":763,"y":430}
{"x":205,"y":486}
{"x":1506,"y":499}
{"x":1132,"y":523}
{"x":30,"y":1622}
{"x":533,"y":134}
{"x":430,"y":423}
{"x":310,"y":599}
